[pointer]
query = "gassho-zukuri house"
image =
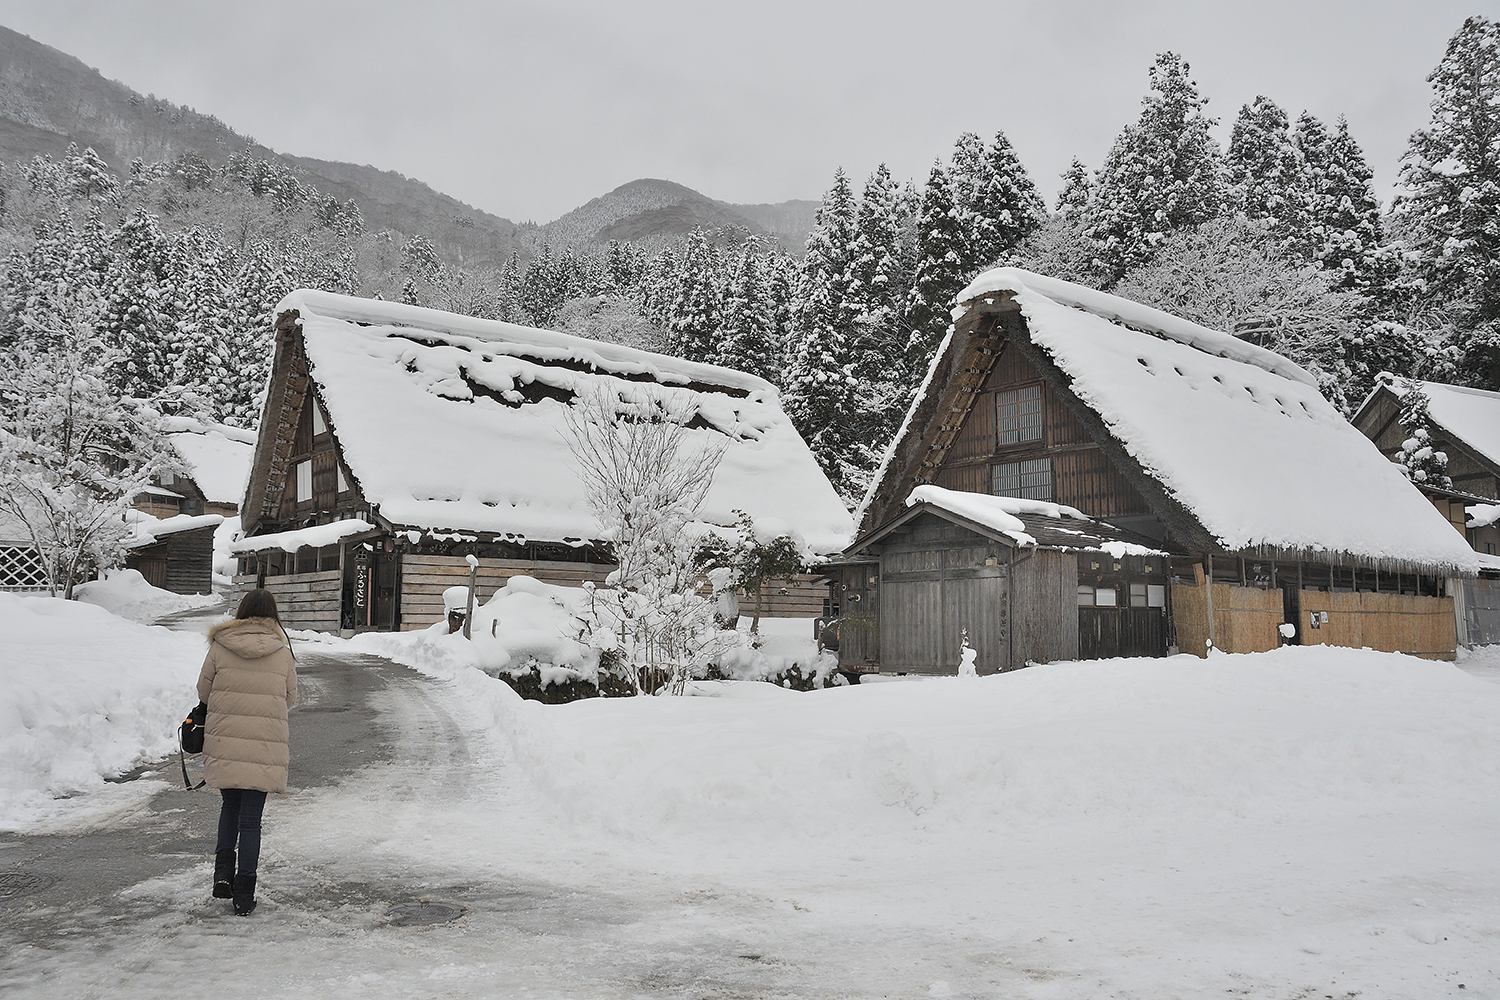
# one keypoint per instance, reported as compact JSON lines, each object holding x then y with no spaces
{"x":1081,"y":475}
{"x":396,"y":441}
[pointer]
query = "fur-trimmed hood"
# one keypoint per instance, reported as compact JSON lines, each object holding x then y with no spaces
{"x":250,"y":638}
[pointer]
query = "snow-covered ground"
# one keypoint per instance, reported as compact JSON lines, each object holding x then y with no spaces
{"x":124,"y":592}
{"x":86,"y":695}
{"x":1309,"y":822}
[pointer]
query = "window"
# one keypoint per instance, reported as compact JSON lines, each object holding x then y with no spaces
{"x":1104,"y":597}
{"x":319,"y":427}
{"x":343,"y":483}
{"x":1156,"y":595}
{"x":1085,"y":597}
{"x":1018,"y":415}
{"x":304,"y":481}
{"x":1029,"y":480}
{"x":1137,"y":595}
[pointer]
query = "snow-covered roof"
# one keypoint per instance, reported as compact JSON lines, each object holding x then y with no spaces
{"x":1021,"y":520}
{"x":316,"y":536}
{"x":148,"y":530}
{"x":1471,"y":415}
{"x":1482,"y":515}
{"x":450,"y":423}
{"x":218,"y":457}
{"x":1238,"y":435}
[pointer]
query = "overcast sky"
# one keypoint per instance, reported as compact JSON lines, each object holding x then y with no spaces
{"x":530,"y":109}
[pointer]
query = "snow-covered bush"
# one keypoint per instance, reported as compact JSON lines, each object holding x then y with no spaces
{"x":646,"y":478}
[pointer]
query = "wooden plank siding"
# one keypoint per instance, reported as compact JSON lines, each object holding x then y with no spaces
{"x":1082,"y":476}
{"x":1045,"y":605}
{"x":182,"y":562}
{"x":310,"y":601}
{"x":425,"y":577}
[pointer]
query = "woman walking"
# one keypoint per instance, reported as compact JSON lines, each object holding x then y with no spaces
{"x":249,"y":680}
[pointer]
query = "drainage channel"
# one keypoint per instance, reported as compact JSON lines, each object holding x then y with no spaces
{"x":423,"y":912}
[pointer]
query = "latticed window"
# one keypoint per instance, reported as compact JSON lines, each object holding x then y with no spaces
{"x":1018,"y":415}
{"x":1029,"y":480}
{"x":22,"y":568}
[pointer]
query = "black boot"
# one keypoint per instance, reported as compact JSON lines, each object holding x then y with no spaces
{"x":224,"y":874}
{"x":244,"y":895}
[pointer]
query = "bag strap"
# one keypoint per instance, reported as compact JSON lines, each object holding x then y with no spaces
{"x":182,"y":761}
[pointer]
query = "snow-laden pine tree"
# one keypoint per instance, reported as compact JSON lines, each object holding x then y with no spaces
{"x":201,"y":272}
{"x":1006,"y":208}
{"x":1448,"y":208}
{"x":1264,"y":170}
{"x":260,"y":283}
{"x":939,"y":273}
{"x":1346,"y":215}
{"x":1077,"y":191}
{"x":89,"y":177}
{"x":748,"y":342}
{"x":1163,"y":173}
{"x":694,"y":314}
{"x":878,"y":286}
{"x":823,"y":394}
{"x":1420,"y":461}
{"x":137,"y":308}
{"x":544,"y":288}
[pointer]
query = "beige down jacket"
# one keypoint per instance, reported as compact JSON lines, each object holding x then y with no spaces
{"x":249,"y":680}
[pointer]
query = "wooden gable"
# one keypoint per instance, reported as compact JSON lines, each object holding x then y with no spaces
{"x":1080,"y":474}
{"x":1379,"y":420}
{"x":296,"y":441}
{"x":951,"y":438}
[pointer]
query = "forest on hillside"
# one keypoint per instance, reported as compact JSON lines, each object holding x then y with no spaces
{"x":172,"y":270}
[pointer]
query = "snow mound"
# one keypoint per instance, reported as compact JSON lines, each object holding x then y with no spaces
{"x":85,"y":696}
{"x":126,"y":594}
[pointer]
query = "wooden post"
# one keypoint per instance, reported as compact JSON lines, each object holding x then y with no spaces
{"x":1208,"y":596}
{"x":469,"y":611}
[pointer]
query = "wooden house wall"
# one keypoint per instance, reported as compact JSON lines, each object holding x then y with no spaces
{"x":182,"y":562}
{"x":322,"y":450}
{"x":1246,"y":619}
{"x":1044,"y":590}
{"x":310,"y":601}
{"x":1082,"y":476}
{"x":1482,"y":611}
{"x":1394,"y":623}
{"x":425,"y":577}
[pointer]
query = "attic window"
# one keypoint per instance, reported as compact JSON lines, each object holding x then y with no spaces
{"x":319,"y":427}
{"x":343,"y":483}
{"x":304,"y":481}
{"x":1018,"y":415}
{"x":1030,"y":480}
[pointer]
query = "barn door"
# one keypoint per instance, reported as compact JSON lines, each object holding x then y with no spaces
{"x":911,"y":613}
{"x":979,"y":604}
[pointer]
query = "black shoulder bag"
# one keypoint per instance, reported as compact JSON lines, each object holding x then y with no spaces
{"x":190,"y":740}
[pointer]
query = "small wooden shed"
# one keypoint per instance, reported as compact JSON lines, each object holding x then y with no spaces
{"x":1023,"y":581}
{"x":175,"y":553}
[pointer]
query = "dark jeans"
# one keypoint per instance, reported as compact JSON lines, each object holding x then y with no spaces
{"x":240,"y":819}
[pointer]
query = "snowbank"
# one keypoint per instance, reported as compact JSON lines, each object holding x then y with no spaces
{"x":84,"y":695}
{"x":125,"y":593}
{"x":531,"y":627}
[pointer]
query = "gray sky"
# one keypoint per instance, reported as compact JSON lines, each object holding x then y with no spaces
{"x":530,"y":109}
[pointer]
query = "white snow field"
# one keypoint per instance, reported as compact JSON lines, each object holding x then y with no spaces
{"x":1311,"y":822}
{"x":86,"y":695}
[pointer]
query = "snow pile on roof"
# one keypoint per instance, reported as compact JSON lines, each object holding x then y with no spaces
{"x":317,"y":536}
{"x":125,"y":593}
{"x":1482,"y":515}
{"x":218,"y":456}
{"x":1236,"y":434}
{"x":453,"y":423}
{"x":148,"y":530}
{"x":1471,"y":415}
{"x":1007,"y":515}
{"x":85,"y":696}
